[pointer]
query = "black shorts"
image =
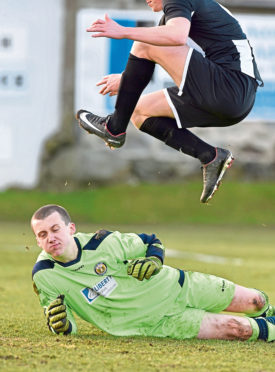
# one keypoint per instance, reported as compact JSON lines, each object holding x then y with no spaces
{"x":210,"y":95}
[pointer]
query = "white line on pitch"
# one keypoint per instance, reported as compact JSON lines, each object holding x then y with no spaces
{"x":203,"y":257}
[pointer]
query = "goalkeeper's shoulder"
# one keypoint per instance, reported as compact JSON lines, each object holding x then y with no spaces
{"x":44,"y":262}
{"x":44,"y":278}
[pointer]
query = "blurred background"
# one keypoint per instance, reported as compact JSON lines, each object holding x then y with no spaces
{"x":49,"y":66}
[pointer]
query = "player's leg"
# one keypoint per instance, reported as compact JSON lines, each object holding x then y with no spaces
{"x":215,"y":294}
{"x":250,"y":301}
{"x":225,"y":327}
{"x":154,"y":116}
{"x":138,"y":72}
{"x":135,"y":78}
{"x":209,"y":100}
{"x":192,"y":104}
{"x":229,"y":327}
{"x":197,"y":323}
{"x":207,"y":292}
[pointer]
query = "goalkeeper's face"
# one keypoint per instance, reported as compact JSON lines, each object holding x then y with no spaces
{"x":53,"y":235}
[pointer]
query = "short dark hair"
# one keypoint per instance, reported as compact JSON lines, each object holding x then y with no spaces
{"x":46,"y":210}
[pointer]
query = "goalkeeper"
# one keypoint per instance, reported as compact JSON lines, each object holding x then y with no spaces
{"x":117,"y":282}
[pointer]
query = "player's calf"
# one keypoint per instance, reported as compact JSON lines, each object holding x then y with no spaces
{"x":230,"y":327}
{"x":225,"y":327}
{"x":236,"y":329}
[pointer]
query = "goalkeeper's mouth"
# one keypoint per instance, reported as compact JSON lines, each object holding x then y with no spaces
{"x":55,"y":245}
{"x":54,"y":248}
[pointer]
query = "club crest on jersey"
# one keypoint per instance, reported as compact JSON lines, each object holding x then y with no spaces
{"x":100,"y":268}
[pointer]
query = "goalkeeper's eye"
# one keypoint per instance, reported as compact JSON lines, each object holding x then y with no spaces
{"x":42,"y":235}
{"x":55,"y":228}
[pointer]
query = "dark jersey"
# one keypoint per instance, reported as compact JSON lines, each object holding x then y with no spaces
{"x":217,"y":32}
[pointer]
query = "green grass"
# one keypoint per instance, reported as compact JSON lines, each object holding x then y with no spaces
{"x":27,"y":345}
{"x":235,"y":204}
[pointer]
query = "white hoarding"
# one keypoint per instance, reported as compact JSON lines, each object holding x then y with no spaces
{"x":260,"y":30}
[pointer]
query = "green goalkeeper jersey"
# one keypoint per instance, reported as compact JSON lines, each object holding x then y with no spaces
{"x":97,"y":288}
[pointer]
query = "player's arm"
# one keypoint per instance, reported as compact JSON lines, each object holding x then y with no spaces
{"x":59,"y":316}
{"x":145,"y":267}
{"x":174,"y":33}
{"x":153,"y":245}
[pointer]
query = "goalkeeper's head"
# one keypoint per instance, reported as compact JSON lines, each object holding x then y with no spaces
{"x":54,"y":231}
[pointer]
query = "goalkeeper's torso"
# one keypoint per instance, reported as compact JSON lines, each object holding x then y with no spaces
{"x":96,"y":285}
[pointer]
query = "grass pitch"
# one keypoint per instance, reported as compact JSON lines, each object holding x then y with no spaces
{"x":235,"y":204}
{"x":248,"y":258}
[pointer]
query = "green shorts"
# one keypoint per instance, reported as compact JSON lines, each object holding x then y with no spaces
{"x":200,"y":293}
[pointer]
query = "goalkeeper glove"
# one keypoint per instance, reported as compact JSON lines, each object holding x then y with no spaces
{"x":144,"y":267}
{"x":57,"y":317}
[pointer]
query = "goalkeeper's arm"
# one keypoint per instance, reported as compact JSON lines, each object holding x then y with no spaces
{"x":56,"y":316}
{"x":151,"y":264}
{"x":154,"y":246}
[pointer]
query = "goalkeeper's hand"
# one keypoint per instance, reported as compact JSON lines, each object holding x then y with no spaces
{"x":56,"y":315}
{"x":144,"y":267}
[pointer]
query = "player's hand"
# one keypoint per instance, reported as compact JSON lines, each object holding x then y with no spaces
{"x":107,"y":28}
{"x":144,"y":267}
{"x":56,"y":315}
{"x":110,"y":84}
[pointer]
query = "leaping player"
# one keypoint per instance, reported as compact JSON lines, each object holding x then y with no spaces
{"x":215,"y":90}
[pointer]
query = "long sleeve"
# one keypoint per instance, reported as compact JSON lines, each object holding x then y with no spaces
{"x":47,"y":294}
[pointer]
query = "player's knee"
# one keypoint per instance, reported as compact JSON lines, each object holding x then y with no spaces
{"x":137,"y":119}
{"x":258,"y":301}
{"x":141,"y":50}
{"x":237,"y":330}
